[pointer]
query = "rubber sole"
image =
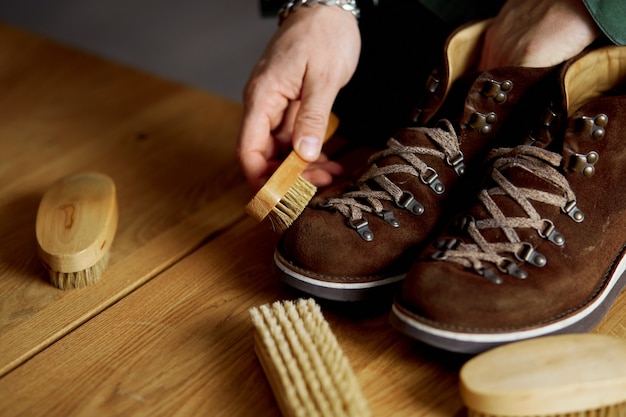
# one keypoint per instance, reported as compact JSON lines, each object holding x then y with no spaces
{"x":359,"y":290}
{"x":582,"y":321}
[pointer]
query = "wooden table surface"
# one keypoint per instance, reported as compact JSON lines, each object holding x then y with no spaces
{"x":167,"y":330}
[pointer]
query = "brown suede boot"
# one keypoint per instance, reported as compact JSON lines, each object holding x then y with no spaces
{"x":355,"y":241}
{"x":542,"y":251}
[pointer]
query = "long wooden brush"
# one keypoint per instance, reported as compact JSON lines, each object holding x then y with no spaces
{"x":581,"y":375}
{"x":76,"y":224}
{"x":307,"y":370}
{"x":286,"y":194}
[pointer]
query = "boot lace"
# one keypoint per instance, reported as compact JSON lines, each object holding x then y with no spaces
{"x":365,"y":199}
{"x":479,"y":253}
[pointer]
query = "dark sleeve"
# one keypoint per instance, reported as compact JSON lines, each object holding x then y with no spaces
{"x":269,"y":8}
{"x":610,"y":16}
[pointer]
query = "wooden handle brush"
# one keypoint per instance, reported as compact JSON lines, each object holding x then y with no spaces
{"x":286,"y":194}
{"x":76,"y":224}
{"x":579,"y":375}
{"x":307,"y":370}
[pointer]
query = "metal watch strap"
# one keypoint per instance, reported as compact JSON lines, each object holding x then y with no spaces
{"x":291,"y":5}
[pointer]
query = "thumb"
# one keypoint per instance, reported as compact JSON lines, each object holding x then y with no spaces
{"x":310,"y":125}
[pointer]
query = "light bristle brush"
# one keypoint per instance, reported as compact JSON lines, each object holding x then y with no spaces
{"x":76,"y":224}
{"x":579,"y":375}
{"x":286,"y":194}
{"x":307,"y":370}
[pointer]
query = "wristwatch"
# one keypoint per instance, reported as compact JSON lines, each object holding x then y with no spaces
{"x":291,"y":5}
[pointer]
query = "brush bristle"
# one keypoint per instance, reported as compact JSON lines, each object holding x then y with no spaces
{"x":80,"y":279}
{"x":615,"y":410}
{"x":291,"y":205}
{"x":308,"y":372}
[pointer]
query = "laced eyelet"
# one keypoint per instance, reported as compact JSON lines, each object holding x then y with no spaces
{"x":462,"y":223}
{"x":573,"y":211}
{"x":508,"y":266}
{"x":362,"y":228}
{"x":431,"y":178}
{"x":407,"y":201}
{"x":489,"y":274}
{"x":456,"y":162}
{"x":529,"y":255}
{"x":549,"y":232}
{"x":387,"y":215}
{"x":447,"y":243}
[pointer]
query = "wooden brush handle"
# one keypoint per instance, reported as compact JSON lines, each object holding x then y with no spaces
{"x":283,"y":179}
{"x":76,"y":222}
{"x":553,"y":375}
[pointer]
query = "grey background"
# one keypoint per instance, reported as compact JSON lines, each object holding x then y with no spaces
{"x":209,"y":44}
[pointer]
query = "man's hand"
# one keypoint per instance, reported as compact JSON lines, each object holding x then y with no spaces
{"x":537,"y":33}
{"x":290,"y":93}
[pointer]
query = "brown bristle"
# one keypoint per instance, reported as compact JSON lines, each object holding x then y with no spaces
{"x":291,"y":204}
{"x":79,"y":279}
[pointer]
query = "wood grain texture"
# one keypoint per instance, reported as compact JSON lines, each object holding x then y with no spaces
{"x":168,"y":148}
{"x":557,"y":375}
{"x":76,"y":221}
{"x":183,"y":345}
{"x":166,"y":332}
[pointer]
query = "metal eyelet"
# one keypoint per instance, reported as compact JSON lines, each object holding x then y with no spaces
{"x":439,"y":255}
{"x":463,"y":222}
{"x":508,"y":266}
{"x":489,"y":274}
{"x":431,"y":178}
{"x":445,"y":244}
{"x":584,"y":164}
{"x":529,"y":255}
{"x":387,"y":215}
{"x":457,"y":164}
{"x":362,"y":228}
{"x":549,"y":232}
{"x":541,"y":133}
{"x":573,"y":211}
{"x":496,"y":90}
{"x":432,"y":85}
{"x":482,"y":122}
{"x":594,"y":126}
{"x":408,"y":201}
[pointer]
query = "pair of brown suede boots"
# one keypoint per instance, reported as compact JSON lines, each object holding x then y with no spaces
{"x":501,"y":218}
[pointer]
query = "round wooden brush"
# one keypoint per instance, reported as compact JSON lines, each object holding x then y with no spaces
{"x":76,"y":224}
{"x":578,"y":375}
{"x":286,"y":194}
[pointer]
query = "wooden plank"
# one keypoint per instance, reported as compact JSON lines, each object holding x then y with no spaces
{"x":168,"y":148}
{"x":183,"y":345}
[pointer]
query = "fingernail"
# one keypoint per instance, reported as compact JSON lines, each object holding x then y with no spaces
{"x":308,"y":147}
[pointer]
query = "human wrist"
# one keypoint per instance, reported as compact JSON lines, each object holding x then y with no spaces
{"x":292,"y":5}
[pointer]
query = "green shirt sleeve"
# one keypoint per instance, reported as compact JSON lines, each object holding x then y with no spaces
{"x":610,"y":16}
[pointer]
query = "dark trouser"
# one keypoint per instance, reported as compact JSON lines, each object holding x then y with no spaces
{"x":401,"y":43}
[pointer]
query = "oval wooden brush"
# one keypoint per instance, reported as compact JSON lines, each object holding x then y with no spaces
{"x":578,"y":375}
{"x":286,"y":194}
{"x":76,"y":224}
